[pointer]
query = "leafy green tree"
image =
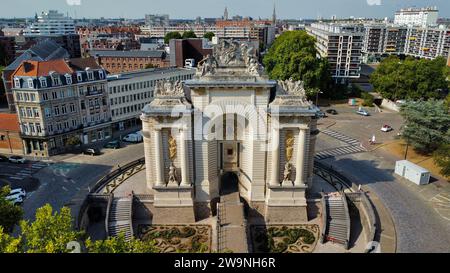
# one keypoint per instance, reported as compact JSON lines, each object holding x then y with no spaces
{"x":368,"y":99}
{"x":50,"y":232}
{"x":189,"y":34}
{"x":209,"y":35}
{"x":293,"y":55}
{"x":172,"y":35}
{"x":8,"y":244}
{"x":10,"y":215}
{"x":427,"y":124}
{"x":411,"y":79}
{"x":442,"y":159}
{"x":119,"y":245}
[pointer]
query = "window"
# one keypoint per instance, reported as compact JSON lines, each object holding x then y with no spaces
{"x":101,"y":74}
{"x":32,"y":129}
{"x":25,"y":128}
{"x":54,"y":95}
{"x":30,"y":83}
{"x":61,"y":94}
{"x":79,"y":77}
{"x":22,"y":112}
{"x":63,"y":109}
{"x":36,"y":112}
{"x":81,"y":90}
{"x":68,"y":79}
{"x":44,"y":96}
{"x":17,"y":82}
{"x":66,"y":125}
{"x":19,"y":96}
{"x":56,"y":80}
{"x":83,"y":105}
{"x":59,"y":126}
{"x":74,"y":123}
{"x":56,"y":110}
{"x":43,"y":82}
{"x":33,"y":97}
{"x":72,"y":108}
{"x":38,"y":128}
{"x":29,"y":112}
{"x":50,"y":128}
{"x":90,"y":75}
{"x":70,"y":92}
{"x":48,"y":112}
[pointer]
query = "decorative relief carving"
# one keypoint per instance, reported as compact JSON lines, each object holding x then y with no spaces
{"x":289,"y":145}
{"x":172,"y":147}
{"x":169,"y":89}
{"x":172,"y":174}
{"x":287,"y":173}
{"x":208,"y":65}
{"x":292,"y":88}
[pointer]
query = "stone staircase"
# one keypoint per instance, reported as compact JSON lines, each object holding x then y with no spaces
{"x":338,"y":220}
{"x":120,"y":217}
{"x":231,"y":224}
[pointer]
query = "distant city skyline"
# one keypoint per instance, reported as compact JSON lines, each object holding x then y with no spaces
{"x":286,"y":9}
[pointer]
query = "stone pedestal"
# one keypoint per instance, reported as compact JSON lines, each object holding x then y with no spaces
{"x":173,"y":204}
{"x":286,"y":204}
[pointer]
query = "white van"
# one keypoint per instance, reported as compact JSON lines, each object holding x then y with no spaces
{"x":135,"y":138}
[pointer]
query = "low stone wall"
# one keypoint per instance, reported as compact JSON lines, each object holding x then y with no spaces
{"x":390,"y":105}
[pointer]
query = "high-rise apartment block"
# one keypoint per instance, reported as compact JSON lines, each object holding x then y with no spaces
{"x":422,"y":17}
{"x":51,"y":23}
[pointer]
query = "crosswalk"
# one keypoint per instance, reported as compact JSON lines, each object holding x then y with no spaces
{"x":353,"y":146}
{"x":345,"y":150}
{"x":341,"y":137}
{"x":28,"y":170}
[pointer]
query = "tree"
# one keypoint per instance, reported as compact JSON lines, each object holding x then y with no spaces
{"x":411,"y":79}
{"x":209,"y":35}
{"x":427,"y":124}
{"x":148,"y":66}
{"x":189,"y":34}
{"x":293,"y":55}
{"x":50,"y":232}
{"x":8,"y":244}
{"x":119,"y":245}
{"x":171,"y":35}
{"x":442,"y":159}
{"x":10,"y":215}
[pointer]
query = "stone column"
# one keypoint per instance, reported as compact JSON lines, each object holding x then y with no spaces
{"x":301,"y":158}
{"x":275,"y":179}
{"x":159,"y":160}
{"x":185,"y":181}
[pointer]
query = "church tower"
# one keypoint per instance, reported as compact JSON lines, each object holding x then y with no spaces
{"x":225,"y":14}
{"x":274,"y":15}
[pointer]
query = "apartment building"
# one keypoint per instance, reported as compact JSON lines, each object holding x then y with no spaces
{"x":342,"y":45}
{"x":421,"y":17}
{"x":115,"y":61}
{"x":429,"y":42}
{"x":382,"y":38}
{"x":60,"y":104}
{"x":51,"y":23}
{"x":130,"y":92}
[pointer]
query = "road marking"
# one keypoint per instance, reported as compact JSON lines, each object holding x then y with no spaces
{"x":64,"y":188}
{"x":16,"y":178}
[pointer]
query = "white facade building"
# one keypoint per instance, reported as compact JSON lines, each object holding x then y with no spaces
{"x":51,"y":23}
{"x":417,"y":17}
{"x":130,"y":92}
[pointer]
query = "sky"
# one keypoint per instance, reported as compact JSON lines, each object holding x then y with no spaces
{"x":286,"y":9}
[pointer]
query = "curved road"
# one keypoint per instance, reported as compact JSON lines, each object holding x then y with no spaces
{"x":419,"y":228}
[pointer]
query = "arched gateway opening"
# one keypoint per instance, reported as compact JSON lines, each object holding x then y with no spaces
{"x":229,"y":183}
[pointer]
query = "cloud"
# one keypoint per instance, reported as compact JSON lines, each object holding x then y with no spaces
{"x":374,"y":2}
{"x":78,"y":2}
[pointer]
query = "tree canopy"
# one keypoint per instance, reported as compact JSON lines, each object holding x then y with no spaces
{"x":10,"y":215}
{"x":209,"y":35}
{"x":427,"y":124}
{"x":411,"y":79}
{"x":189,"y":34}
{"x":119,"y":245}
{"x":172,"y":35}
{"x":442,"y":159}
{"x":293,"y":55}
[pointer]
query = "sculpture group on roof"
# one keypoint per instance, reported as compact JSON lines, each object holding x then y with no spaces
{"x":169,"y":89}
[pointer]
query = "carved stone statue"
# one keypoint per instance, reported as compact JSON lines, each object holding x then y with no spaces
{"x":208,"y":65}
{"x":291,"y":87}
{"x":287,"y":173}
{"x":172,"y":174}
{"x":169,"y":89}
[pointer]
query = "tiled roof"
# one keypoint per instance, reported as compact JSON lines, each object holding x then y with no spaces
{"x":37,"y":69}
{"x":128,"y":54}
{"x":9,"y":122}
{"x":83,"y":63}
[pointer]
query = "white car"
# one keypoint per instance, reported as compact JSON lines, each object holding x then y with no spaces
{"x":17,"y":159}
{"x":135,"y":138}
{"x":362,"y":112}
{"x":19,"y":191}
{"x":15,"y":199}
{"x":386,"y":128}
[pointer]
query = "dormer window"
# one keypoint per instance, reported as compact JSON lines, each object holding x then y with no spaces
{"x":68,"y":79}
{"x":30,"y":83}
{"x":101,"y":74}
{"x":56,"y":80}
{"x":79,"y":77}
{"x":17,"y":82}
{"x":90,"y":75}
{"x":43,"y":82}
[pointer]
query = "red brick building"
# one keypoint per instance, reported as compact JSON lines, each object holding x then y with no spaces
{"x":115,"y":61}
{"x":182,"y":49}
{"x":10,"y":141}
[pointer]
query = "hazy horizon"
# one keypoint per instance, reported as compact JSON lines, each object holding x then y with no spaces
{"x":182,"y":9}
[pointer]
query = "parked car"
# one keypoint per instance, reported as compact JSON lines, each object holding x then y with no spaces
{"x":362,"y":112}
{"x":91,"y":151}
{"x":17,"y":159}
{"x":332,"y":111}
{"x":115,"y":144}
{"x":386,"y":128}
{"x":135,"y":138}
{"x":18,"y":191}
{"x":15,"y":199}
{"x":321,"y":114}
{"x":3,"y":158}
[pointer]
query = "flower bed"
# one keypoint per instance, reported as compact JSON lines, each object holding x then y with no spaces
{"x":178,"y":238}
{"x":284,"y":238}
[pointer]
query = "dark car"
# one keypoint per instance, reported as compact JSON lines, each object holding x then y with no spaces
{"x":112,"y":145}
{"x":332,"y":111}
{"x":3,"y":158}
{"x":91,"y":151}
{"x":321,"y":114}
